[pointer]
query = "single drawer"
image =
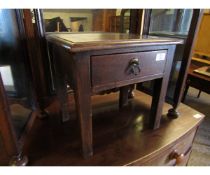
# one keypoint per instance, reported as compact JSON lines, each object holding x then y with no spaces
{"x":176,"y":155}
{"x":110,"y":69}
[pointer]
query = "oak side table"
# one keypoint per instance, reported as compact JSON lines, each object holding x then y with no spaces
{"x":95,"y":62}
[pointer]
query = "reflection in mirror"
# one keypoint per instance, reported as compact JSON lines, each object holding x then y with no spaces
{"x":178,"y":28}
{"x":86,"y":20}
{"x":82,"y":20}
{"x":14,"y":70}
{"x":170,"y":21}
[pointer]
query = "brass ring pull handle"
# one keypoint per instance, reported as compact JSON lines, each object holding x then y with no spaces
{"x":178,"y":157}
{"x":134,"y":66}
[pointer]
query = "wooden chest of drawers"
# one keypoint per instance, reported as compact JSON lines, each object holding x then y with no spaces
{"x":120,"y":137}
{"x":175,"y":154}
{"x":94,"y":62}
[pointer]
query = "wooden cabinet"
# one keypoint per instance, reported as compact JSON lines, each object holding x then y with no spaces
{"x":91,"y":63}
{"x":175,"y":154}
{"x":102,"y":19}
{"x":18,"y":104}
{"x":120,"y":137}
{"x":119,"y":24}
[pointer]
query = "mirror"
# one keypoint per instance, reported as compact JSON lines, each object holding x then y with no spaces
{"x":170,"y":23}
{"x":14,"y":70}
{"x":83,"y":20}
{"x":86,"y":20}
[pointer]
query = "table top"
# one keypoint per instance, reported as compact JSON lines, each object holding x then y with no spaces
{"x":100,"y":40}
{"x":194,"y":74}
{"x":120,"y":137}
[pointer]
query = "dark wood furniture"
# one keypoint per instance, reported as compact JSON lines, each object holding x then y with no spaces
{"x":18,"y":109}
{"x":196,"y":80}
{"x":10,"y":145}
{"x":121,"y":137}
{"x":200,"y":58}
{"x":186,"y":55}
{"x":94,"y":62}
{"x":45,"y":73}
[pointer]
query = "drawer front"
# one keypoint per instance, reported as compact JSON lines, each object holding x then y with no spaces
{"x":114,"y":68}
{"x":172,"y":156}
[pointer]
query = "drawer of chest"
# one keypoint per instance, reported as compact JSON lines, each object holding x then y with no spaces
{"x":178,"y":154}
{"x":110,"y":69}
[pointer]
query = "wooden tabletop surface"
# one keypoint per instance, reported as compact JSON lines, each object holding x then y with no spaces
{"x":119,"y":137}
{"x":197,"y":75}
{"x":97,"y":40}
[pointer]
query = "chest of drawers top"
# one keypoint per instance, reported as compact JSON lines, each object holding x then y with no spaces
{"x":77,"y":42}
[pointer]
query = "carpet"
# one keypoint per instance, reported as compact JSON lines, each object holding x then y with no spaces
{"x":200,"y":155}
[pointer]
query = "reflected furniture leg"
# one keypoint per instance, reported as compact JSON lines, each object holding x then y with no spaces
{"x":123,"y":98}
{"x":61,"y":88}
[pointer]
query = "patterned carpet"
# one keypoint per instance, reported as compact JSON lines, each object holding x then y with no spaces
{"x":200,"y":155}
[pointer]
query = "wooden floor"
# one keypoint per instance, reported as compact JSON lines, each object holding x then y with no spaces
{"x":119,"y":136}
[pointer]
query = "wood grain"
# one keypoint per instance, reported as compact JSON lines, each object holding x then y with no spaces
{"x":104,"y":61}
{"x":115,"y":68}
{"x":96,"y":41}
{"x":119,"y":137}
